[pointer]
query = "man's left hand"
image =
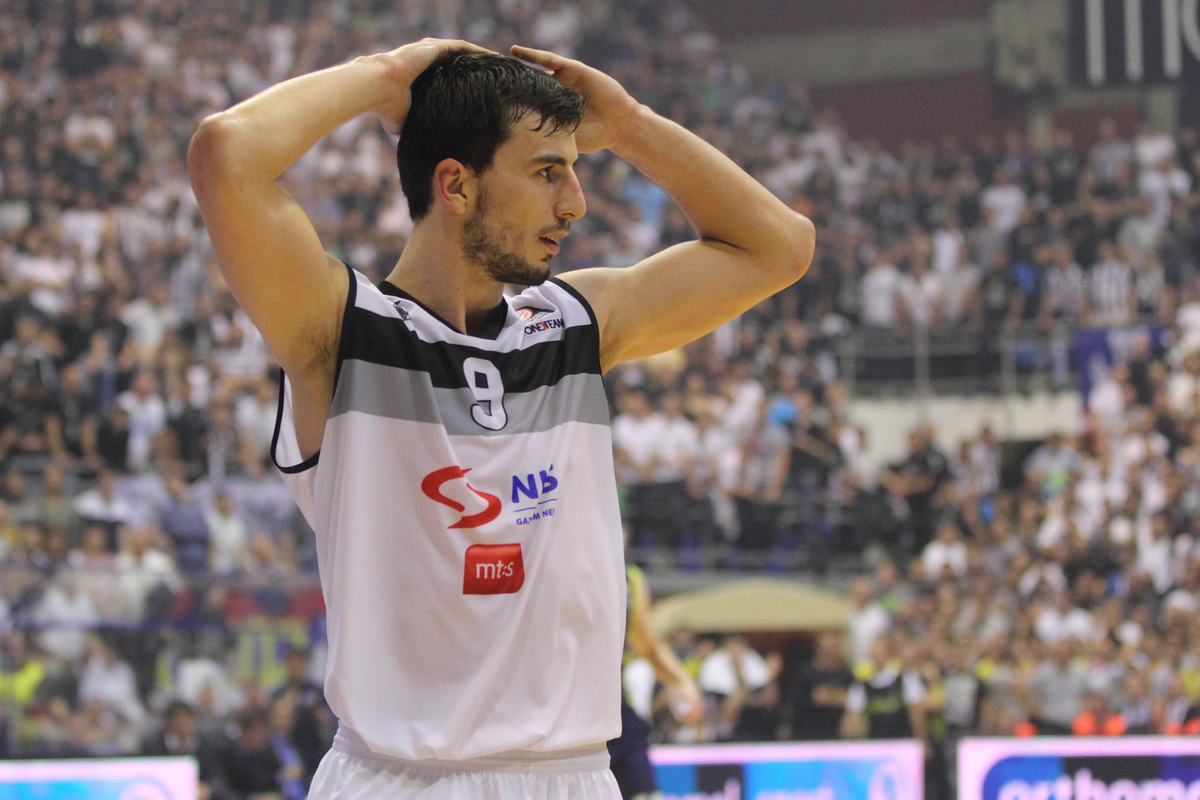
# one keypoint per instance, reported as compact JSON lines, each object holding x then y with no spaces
{"x":609,"y":108}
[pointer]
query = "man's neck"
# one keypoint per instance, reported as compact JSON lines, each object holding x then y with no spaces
{"x":434,"y":270}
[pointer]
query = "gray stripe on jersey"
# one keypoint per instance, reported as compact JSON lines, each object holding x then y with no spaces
{"x":383,"y":391}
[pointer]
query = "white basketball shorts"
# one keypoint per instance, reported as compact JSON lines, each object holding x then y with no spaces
{"x":350,"y":771}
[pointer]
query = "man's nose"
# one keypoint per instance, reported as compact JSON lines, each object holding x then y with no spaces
{"x":571,"y":204}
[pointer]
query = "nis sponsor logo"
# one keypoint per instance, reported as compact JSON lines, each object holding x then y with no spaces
{"x":493,"y":568}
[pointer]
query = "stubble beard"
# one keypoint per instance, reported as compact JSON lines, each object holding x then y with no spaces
{"x":489,"y":249}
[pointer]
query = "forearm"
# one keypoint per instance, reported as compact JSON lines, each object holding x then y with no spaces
{"x":719,"y":198}
{"x":667,"y":668}
{"x":265,"y":134}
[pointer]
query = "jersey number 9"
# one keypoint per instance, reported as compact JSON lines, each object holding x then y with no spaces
{"x":483,"y":379}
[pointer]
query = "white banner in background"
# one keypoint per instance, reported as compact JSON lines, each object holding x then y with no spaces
{"x":100,"y":779}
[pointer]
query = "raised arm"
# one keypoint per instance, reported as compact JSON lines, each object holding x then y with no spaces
{"x":266,"y":246}
{"x":751,"y":245}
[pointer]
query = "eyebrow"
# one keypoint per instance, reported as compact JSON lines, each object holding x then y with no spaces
{"x":553,"y":159}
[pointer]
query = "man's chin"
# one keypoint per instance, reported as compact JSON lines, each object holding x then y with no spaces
{"x":528,"y":275}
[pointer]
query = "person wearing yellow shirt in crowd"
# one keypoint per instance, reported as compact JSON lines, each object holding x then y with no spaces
{"x":20,"y":676}
{"x":630,"y":753}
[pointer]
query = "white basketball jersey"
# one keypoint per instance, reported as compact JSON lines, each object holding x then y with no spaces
{"x":468,"y":534}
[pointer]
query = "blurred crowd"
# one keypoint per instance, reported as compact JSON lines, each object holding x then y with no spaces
{"x":137,"y":403}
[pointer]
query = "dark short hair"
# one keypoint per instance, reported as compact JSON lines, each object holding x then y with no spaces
{"x":464,"y":106}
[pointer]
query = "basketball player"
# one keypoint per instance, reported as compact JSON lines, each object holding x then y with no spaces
{"x":629,"y":753}
{"x":450,"y":445}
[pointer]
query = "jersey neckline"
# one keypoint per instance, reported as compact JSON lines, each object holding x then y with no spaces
{"x":492,"y":325}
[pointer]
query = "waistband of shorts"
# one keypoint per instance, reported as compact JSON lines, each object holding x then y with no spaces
{"x":586,"y":758}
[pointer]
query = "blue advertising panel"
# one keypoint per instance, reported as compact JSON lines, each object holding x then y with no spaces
{"x":1080,"y":768}
{"x":100,"y":779}
{"x":811,"y":771}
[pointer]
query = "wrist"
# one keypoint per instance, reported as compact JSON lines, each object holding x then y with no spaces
{"x":632,"y":132}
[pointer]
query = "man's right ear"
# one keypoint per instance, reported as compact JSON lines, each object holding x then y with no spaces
{"x":453,"y":185}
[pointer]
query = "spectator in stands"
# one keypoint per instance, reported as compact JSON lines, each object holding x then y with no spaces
{"x":745,"y":685}
{"x":633,"y":435}
{"x":184,"y":523}
{"x":230,"y":538}
{"x":180,"y":736}
{"x":868,"y":619}
{"x":1056,"y":690}
{"x":815,"y":699}
{"x":915,"y":481}
{"x":250,"y":764}
{"x":312,"y":722}
{"x":147,"y":574}
{"x":102,"y":505}
{"x":291,"y":776}
{"x":673,"y":443}
{"x":946,"y":555}
{"x":107,"y":688}
{"x":65,"y":613}
{"x":95,"y":572}
{"x":887,"y":699}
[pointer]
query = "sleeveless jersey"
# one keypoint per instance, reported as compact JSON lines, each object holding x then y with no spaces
{"x":468,"y":534}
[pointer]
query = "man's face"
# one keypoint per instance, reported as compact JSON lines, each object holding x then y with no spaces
{"x":525,"y":204}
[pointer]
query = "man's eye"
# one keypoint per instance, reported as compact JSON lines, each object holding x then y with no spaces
{"x":545,"y":173}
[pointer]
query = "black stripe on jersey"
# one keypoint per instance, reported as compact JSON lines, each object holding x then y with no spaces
{"x":493,"y":323}
{"x":571,"y":290}
{"x":388,"y":341}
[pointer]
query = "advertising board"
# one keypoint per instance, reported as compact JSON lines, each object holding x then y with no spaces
{"x":890,"y":770}
{"x":1080,"y":768}
{"x":100,"y":779}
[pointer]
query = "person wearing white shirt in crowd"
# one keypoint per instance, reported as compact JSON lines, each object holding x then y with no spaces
{"x":108,"y":680}
{"x":1107,"y":398}
{"x":147,"y":418}
{"x":1154,"y":556}
{"x":880,"y":289}
{"x":1003,"y":202}
{"x":65,"y":613}
{"x":1062,"y":619}
{"x":673,"y":449}
{"x":945,"y":554}
{"x":949,"y":246}
{"x":102,"y":504}
{"x":229,"y":535}
{"x":1152,"y":146}
{"x":1111,"y":153}
{"x":922,"y":290}
{"x":868,"y":619}
{"x":745,"y":397}
{"x":715,"y":469}
{"x":731,"y":667}
{"x":255,"y":413}
{"x":96,"y":573}
{"x":1183,"y":385}
{"x":143,"y":570}
{"x":149,"y":317}
{"x":634,"y":432}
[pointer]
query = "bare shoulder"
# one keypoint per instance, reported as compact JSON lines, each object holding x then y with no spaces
{"x":597,"y":287}
{"x":591,"y":283}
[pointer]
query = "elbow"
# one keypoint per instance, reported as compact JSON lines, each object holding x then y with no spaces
{"x":796,"y":244}
{"x":209,"y":152}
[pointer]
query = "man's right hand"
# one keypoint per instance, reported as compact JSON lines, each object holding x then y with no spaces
{"x":407,"y":63}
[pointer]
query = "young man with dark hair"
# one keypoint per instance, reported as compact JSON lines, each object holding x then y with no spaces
{"x":450,"y":445}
